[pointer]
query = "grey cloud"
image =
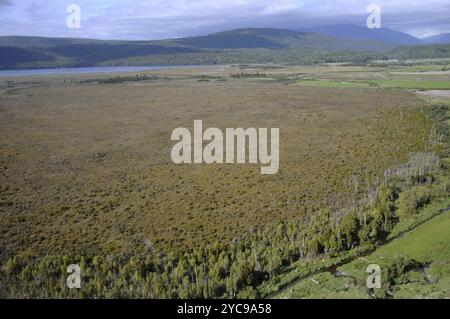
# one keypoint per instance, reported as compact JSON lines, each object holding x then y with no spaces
{"x":6,"y":3}
{"x":117,"y":19}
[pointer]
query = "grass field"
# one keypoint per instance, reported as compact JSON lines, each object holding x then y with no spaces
{"x":427,"y":243}
{"x":415,"y":77}
{"x":415,"y":84}
{"x":399,"y":83}
{"x":334,"y":84}
{"x":423,"y":68}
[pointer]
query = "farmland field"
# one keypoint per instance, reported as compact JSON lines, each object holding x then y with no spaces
{"x":85,"y":163}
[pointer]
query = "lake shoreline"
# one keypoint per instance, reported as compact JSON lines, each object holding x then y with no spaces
{"x":86,"y":70}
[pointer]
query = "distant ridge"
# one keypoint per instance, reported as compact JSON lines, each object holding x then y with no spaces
{"x":355,"y":32}
{"x":438,"y":39}
{"x":248,"y":38}
{"x":270,"y":38}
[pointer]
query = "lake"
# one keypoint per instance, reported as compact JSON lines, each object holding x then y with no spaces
{"x":59,"y":71}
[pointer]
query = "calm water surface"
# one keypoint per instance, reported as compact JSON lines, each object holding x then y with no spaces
{"x":11,"y":73}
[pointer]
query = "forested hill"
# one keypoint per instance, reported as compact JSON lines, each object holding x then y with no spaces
{"x":236,"y":46}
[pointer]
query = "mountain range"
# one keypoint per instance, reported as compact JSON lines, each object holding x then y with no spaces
{"x":384,"y":35}
{"x":32,"y":52}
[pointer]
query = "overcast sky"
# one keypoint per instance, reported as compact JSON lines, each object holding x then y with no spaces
{"x":158,"y":19}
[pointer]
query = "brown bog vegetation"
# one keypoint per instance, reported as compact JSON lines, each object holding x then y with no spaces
{"x":85,"y":169}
